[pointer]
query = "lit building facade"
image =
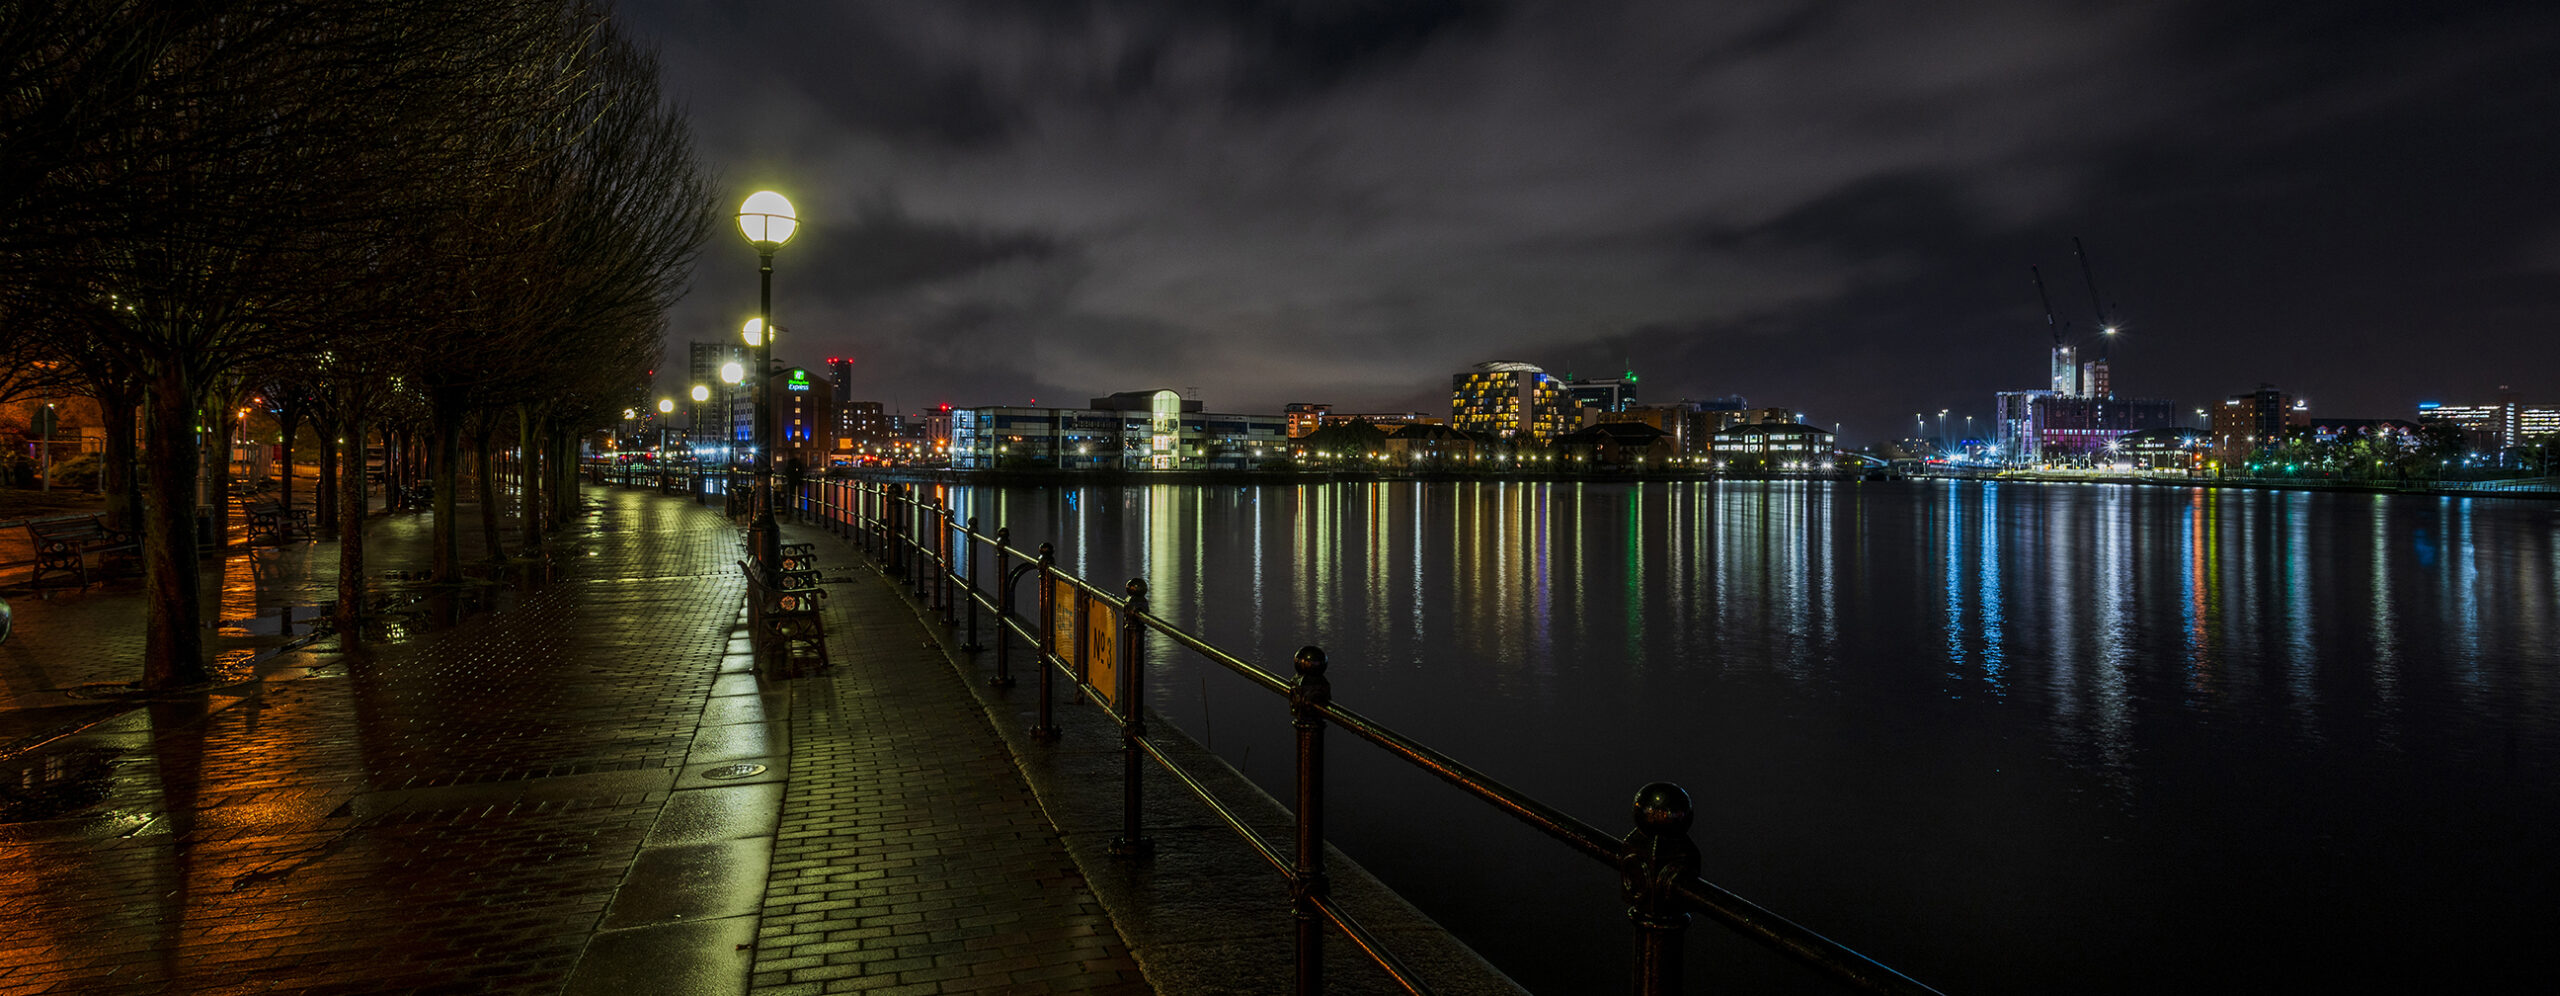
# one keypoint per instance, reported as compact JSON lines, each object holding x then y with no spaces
{"x":1615,"y":395}
{"x":2487,"y":428}
{"x":1134,"y":430}
{"x":714,"y":423}
{"x":1509,"y":400}
{"x":804,"y":420}
{"x":2243,"y":423}
{"x":1305,"y":417}
{"x":1772,"y":448}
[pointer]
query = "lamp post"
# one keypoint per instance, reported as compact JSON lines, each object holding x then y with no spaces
{"x":693,"y":441}
{"x":666,"y":413}
{"x":767,"y":222}
{"x":731,"y":374}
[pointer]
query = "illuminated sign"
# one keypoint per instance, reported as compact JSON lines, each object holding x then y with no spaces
{"x":799,"y":381}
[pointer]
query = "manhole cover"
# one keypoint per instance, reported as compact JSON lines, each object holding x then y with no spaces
{"x":735,"y":771}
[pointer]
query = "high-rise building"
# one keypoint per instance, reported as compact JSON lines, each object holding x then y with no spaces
{"x":712,"y":421}
{"x":1509,"y":400}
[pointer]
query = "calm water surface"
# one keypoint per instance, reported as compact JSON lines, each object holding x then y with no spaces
{"x":2008,"y":738}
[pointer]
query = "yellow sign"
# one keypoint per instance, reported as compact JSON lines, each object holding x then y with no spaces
{"x":1102,"y":651}
{"x":1062,"y":619}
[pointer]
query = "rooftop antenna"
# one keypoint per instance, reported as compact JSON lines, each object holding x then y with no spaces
{"x":2106,"y":329}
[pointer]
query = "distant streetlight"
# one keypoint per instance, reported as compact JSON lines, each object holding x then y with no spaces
{"x":767,"y":222}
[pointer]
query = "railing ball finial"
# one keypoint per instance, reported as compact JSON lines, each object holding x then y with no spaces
{"x":1137,"y":588}
{"x":1311,"y":661}
{"x":1662,"y":809}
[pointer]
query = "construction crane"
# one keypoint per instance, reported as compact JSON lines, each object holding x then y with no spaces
{"x":2106,"y":328}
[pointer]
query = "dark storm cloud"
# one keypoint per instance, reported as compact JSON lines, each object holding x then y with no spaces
{"x":1828,"y":206}
{"x":884,"y":249}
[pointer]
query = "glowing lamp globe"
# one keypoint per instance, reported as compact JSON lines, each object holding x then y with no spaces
{"x":732,"y":372}
{"x":753,"y":331}
{"x":701,"y":393}
{"x":766,"y":220}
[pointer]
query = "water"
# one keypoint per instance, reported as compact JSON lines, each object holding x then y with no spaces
{"x":2008,"y":738}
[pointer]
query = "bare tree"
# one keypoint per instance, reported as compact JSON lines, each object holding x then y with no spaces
{"x":204,"y":186}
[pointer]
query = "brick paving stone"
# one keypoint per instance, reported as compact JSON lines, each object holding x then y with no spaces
{"x":912,"y":858}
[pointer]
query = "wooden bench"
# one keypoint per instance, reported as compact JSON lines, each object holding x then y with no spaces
{"x":784,"y":623}
{"x":271,"y":520}
{"x":65,"y":545}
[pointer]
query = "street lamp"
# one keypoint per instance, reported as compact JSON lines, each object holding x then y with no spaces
{"x":767,"y":222}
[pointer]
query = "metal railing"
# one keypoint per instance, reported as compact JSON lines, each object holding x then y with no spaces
{"x":1656,"y":862}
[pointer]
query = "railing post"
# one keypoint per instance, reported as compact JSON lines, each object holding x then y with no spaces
{"x":945,"y":574}
{"x":1307,"y":699}
{"x":1004,"y":610}
{"x":1655,"y":856}
{"x":969,"y":556}
{"x":1043,"y":728}
{"x":897,"y":550}
{"x":1133,"y":727}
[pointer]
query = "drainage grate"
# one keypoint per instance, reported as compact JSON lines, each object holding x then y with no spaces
{"x":727,"y":771}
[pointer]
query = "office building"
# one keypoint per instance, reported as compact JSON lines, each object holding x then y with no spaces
{"x":1509,"y":400}
{"x":1131,"y":430}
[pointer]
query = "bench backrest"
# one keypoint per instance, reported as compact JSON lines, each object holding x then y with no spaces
{"x":62,"y":529}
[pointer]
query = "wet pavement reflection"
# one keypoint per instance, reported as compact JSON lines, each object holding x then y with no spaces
{"x":452,"y":793}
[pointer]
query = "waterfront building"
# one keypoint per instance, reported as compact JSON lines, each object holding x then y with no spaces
{"x":1426,"y":443}
{"x":1511,"y":400}
{"x":2243,"y":423}
{"x":1305,"y":417}
{"x":1389,"y":421}
{"x":1616,"y":446}
{"x":2173,"y":448}
{"x":1772,"y":448}
{"x":804,"y":420}
{"x":1341,"y":443}
{"x":1613,"y":395}
{"x":2384,"y":432}
{"x":1131,"y":430}
{"x":2078,"y":429}
{"x":2485,"y":428}
{"x":861,"y":427}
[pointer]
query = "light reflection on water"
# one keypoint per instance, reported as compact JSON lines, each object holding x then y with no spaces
{"x":2010,"y":738}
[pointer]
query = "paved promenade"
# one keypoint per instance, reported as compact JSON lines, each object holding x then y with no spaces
{"x":509,"y":787}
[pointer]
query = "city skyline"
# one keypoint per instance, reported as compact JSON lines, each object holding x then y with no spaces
{"x":1832,"y":209}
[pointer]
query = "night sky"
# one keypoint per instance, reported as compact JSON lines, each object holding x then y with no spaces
{"x":1829,"y":207}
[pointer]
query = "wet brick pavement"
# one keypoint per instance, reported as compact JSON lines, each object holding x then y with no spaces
{"x":505,"y":793}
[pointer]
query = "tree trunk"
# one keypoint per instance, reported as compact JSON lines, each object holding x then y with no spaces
{"x":351,"y":508}
{"x":564,"y":473}
{"x":173,"y":642}
{"x":488,"y":485}
{"x":530,"y":471}
{"x":444,"y":446}
{"x":284,"y":489}
{"x":120,"y":414}
{"x":326,"y":499}
{"x":217,"y":474}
